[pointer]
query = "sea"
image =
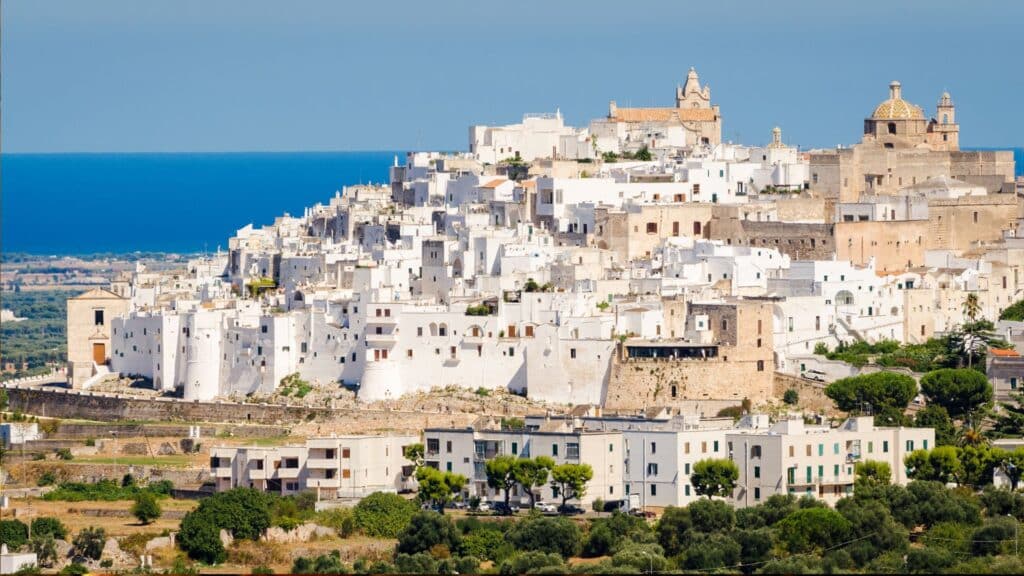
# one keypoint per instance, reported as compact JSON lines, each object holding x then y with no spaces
{"x":77,"y":204}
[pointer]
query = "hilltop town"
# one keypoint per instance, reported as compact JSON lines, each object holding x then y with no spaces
{"x":634,"y":301}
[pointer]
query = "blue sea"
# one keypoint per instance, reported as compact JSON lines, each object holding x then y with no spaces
{"x":95,"y":203}
{"x":120,"y":203}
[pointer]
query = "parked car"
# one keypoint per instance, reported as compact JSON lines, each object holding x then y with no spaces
{"x":570,"y":509}
{"x":505,"y":509}
{"x":547,"y":507}
{"x":816,"y":375}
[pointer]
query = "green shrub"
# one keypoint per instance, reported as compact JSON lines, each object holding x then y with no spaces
{"x":791,"y":397}
{"x":49,"y":526}
{"x":383,"y":515}
{"x":47,"y":478}
{"x":146,"y":509}
{"x":14,"y":533}
{"x":65,"y":454}
{"x":90,"y":542}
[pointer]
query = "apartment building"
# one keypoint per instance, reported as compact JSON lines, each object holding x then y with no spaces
{"x":466,"y":451}
{"x":794,"y":458}
{"x":334,"y":467}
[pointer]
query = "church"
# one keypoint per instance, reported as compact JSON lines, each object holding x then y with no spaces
{"x":901,"y":147}
{"x":692,"y":122}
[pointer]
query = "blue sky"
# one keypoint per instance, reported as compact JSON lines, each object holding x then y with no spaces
{"x":212,"y":75}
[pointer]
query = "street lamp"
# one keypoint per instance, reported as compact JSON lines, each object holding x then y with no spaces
{"x":650,"y":560}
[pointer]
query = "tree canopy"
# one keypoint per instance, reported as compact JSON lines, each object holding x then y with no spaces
{"x":715,"y":477}
{"x":960,"y":391}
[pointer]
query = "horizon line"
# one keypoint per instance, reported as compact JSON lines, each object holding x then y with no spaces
{"x":358,"y":151}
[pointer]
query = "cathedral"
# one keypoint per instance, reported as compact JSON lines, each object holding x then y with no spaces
{"x":901,"y":147}
{"x":693,"y":121}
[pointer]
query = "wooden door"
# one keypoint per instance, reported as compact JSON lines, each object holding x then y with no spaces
{"x":99,"y":353}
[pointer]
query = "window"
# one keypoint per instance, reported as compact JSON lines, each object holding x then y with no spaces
{"x":448,"y":466}
{"x":885,"y":446}
{"x":572,"y":450}
{"x":554,"y":449}
{"x":654,"y":489}
{"x":791,"y":451}
{"x":696,"y":225}
{"x":871,"y":447}
{"x":757,"y":493}
{"x":654,"y":447}
{"x":433,"y":445}
{"x":346,"y":453}
{"x":835,"y":470}
{"x":686,"y":448}
{"x":755,"y":451}
{"x":97,"y":316}
{"x":715,"y":444}
{"x":835,"y":448}
{"x":686,"y":489}
{"x":652,"y":469}
{"x":419,"y":330}
{"x":686,"y":468}
{"x":821,"y":449}
{"x":760,"y":364}
{"x":703,"y":447}
{"x":910,"y":445}
{"x":572,"y":353}
{"x":652,"y":227}
{"x":757,"y":471}
{"x":448,"y":446}
{"x":892,"y":127}
{"x":611,"y":447}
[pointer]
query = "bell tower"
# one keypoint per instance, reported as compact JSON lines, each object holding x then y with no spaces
{"x":944,"y":132}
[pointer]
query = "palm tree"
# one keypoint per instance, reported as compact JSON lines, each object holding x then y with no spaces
{"x":972,"y":436}
{"x":971,"y":307}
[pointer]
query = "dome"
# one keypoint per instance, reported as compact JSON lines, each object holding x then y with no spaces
{"x":896,"y":108}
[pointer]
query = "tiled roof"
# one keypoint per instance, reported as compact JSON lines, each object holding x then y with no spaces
{"x":494,"y":183}
{"x":664,"y":115}
{"x":1003,"y":352}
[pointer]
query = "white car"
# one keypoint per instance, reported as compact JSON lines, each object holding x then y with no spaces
{"x":547,"y":507}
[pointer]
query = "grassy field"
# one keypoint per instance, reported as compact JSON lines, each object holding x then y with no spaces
{"x":75,"y":517}
{"x":176,"y":460}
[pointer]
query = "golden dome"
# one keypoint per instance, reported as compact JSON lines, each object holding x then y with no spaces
{"x":896,"y":108}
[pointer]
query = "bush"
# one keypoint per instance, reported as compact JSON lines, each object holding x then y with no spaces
{"x":791,"y":397}
{"x":821,"y":349}
{"x":89,"y":542}
{"x":546,"y":534}
{"x":105,"y":491}
{"x":146,"y":509}
{"x":47,"y":478}
{"x":243,"y":512}
{"x":531,"y":562}
{"x":486,"y":543}
{"x":343,"y":520}
{"x":383,"y":515}
{"x":74,"y":569}
{"x":427,"y":530}
{"x":14,"y":533}
{"x":49,"y":526}
{"x":65,"y":454}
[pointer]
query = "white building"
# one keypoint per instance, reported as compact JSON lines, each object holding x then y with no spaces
{"x":334,"y":467}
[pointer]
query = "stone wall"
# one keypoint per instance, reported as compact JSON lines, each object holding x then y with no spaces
{"x":110,"y":407}
{"x":643,"y":383}
{"x":799,"y":240}
{"x":812,"y":394}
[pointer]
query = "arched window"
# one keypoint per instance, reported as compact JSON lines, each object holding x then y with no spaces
{"x":892,"y":127}
{"x":945,"y":118}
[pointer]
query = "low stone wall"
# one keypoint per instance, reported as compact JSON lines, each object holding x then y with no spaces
{"x":63,"y":403}
{"x":84,"y":430}
{"x":812,"y":393}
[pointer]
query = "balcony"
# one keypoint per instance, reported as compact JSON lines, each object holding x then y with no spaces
{"x":323,"y":482}
{"x":469,"y":340}
{"x":257,"y":473}
{"x":322,"y":463}
{"x":287,"y":473}
{"x":222,"y":472}
{"x":381,"y":338}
